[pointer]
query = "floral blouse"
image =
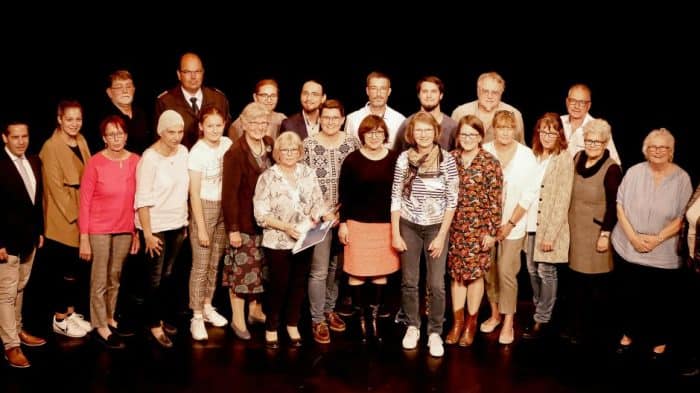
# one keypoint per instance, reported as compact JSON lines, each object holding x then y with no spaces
{"x":276,"y":197}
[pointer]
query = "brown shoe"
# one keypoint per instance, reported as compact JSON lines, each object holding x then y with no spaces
{"x":457,"y":328}
{"x":321,"y":333}
{"x":335,"y":322}
{"x":16,"y":358}
{"x":29,"y":340}
{"x":469,"y":330}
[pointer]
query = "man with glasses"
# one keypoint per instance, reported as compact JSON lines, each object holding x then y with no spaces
{"x":489,"y":90}
{"x":578,"y":103}
{"x":266,"y":93}
{"x":189,"y":97}
{"x":430,"y":91}
{"x":307,"y":122}
{"x":378,"y":91}
{"x":120,"y":91}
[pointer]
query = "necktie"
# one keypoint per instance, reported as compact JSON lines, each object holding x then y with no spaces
{"x":195,"y":107}
{"x":25,"y":178}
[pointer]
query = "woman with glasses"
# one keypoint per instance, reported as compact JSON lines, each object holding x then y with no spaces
{"x":106,"y":221}
{"x":592,"y":216}
{"x":324,"y":153}
{"x":423,"y":202}
{"x":244,"y":266}
{"x":520,"y":189}
{"x":651,"y":201}
{"x":287,"y":201}
{"x":548,"y":218}
{"x":266,"y":93}
{"x":474,"y":227}
{"x":364,"y":194}
{"x":207,"y":234}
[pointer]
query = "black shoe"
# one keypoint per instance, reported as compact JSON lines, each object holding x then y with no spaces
{"x":363,"y":326}
{"x":690,"y":371}
{"x":273,"y":344}
{"x":295,"y":342}
{"x":111,"y":342}
{"x":163,"y":340}
{"x":374,"y":315}
{"x":535,"y":332}
{"x":623,"y":349}
{"x":384,"y":312}
{"x":169,"y":329}
{"x":121,"y":331}
{"x":345,"y":310}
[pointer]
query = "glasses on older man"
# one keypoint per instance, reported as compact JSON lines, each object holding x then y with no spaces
{"x":575,"y":102}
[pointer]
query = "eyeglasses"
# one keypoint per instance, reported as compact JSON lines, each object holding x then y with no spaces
{"x":331,"y":119}
{"x":375,"y":89}
{"x":289,"y":151}
{"x":469,"y":136}
{"x":593,"y":143}
{"x":549,"y":134}
{"x":375,"y":134}
{"x":423,"y":131}
{"x":487,"y":92}
{"x":266,"y":97}
{"x":261,"y":124}
{"x":575,"y":102}
{"x":660,"y":149}
{"x":192,"y":72}
{"x":123,"y":87}
{"x":313,"y":94}
{"x":115,"y":136}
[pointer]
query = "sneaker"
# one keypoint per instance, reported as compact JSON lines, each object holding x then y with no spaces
{"x":335,"y":322}
{"x":79,"y":320}
{"x":410,"y":339}
{"x":68,"y":328}
{"x":199,"y":332}
{"x":213,"y":317}
{"x":435,"y":345}
{"x":321,"y":333}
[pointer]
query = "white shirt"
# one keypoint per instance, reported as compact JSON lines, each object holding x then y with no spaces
{"x":575,"y":138}
{"x":209,"y":162}
{"x":28,"y":169}
{"x":537,"y":177}
{"x":392,"y":118}
{"x":199,"y":96}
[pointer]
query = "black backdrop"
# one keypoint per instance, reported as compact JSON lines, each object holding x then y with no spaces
{"x":640,"y":81}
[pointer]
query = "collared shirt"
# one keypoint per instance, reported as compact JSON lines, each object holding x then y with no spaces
{"x":392,"y":118}
{"x":311,"y":129}
{"x":27,"y":169}
{"x":199,"y":96}
{"x":575,"y":138}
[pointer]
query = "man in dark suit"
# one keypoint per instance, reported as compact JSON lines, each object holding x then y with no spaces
{"x":306,"y":122}
{"x":21,"y":229}
{"x":189,"y":97}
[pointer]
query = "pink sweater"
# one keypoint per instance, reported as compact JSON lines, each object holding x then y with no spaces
{"x":107,"y":195}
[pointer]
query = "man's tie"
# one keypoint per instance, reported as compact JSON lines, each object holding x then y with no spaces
{"x":195,"y":107}
{"x":25,"y":177}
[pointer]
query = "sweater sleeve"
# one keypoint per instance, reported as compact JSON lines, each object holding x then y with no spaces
{"x":87,"y":190}
{"x":612,"y":180}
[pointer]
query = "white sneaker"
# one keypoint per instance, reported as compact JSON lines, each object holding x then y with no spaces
{"x":68,"y":328}
{"x":79,"y":320}
{"x":410,"y":339}
{"x":435,"y":345}
{"x":213,"y":317}
{"x":199,"y":332}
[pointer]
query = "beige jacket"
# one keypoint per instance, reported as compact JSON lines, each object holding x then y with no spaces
{"x":62,"y":171}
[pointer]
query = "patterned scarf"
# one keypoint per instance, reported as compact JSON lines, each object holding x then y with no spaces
{"x":421,"y":164}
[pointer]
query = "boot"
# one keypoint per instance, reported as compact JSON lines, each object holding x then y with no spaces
{"x":457,"y":328}
{"x":363,"y":324}
{"x":469,"y":330}
{"x":374,"y":310}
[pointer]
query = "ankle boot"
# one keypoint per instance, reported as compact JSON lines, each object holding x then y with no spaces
{"x":457,"y":328}
{"x":469,"y":330}
{"x":374,"y":310}
{"x":363,"y":323}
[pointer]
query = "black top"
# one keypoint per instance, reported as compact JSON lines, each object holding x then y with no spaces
{"x":613,"y":178}
{"x":364,"y":188}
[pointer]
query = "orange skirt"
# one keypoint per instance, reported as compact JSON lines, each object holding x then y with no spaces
{"x":369,"y":252}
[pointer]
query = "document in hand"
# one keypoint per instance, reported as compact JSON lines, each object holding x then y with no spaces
{"x":313,"y":236}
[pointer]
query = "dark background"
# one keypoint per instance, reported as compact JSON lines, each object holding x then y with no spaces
{"x":641,"y":79}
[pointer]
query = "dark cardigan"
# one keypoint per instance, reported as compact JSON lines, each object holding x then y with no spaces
{"x":240,"y":175}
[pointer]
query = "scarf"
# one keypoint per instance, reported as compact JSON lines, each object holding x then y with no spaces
{"x":421,"y":164}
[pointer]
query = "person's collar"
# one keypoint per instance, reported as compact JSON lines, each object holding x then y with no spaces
{"x":12,"y":155}
{"x":199,"y":95}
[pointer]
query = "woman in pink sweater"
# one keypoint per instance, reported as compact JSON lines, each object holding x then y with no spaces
{"x":106,"y":224}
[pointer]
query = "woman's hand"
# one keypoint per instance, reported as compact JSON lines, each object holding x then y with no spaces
{"x":291,"y":231}
{"x":546,"y":246}
{"x":650,"y":241}
{"x":639,"y":244}
{"x":487,"y":242}
{"x":154,"y":246}
{"x":504,"y":231}
{"x":343,"y":234}
{"x":603,"y":244}
{"x":234,"y":239}
{"x":398,"y":243}
{"x":437,"y":245}
{"x":85,"y":249}
{"x":135,"y":244}
{"x":203,"y":237}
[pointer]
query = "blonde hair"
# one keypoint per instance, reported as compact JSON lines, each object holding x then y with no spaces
{"x":663,"y":132}
{"x":288,"y":138}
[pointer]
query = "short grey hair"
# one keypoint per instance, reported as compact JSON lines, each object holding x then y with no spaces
{"x":598,"y":127}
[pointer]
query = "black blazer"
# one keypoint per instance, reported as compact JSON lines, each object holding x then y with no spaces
{"x":295,"y":123}
{"x":21,"y":222}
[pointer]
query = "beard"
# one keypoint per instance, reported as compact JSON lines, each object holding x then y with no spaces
{"x":429,"y":108}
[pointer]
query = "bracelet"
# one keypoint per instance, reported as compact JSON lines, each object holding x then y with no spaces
{"x":604,"y":235}
{"x":511,"y":222}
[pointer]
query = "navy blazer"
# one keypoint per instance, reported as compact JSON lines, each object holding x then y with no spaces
{"x":21,"y":221}
{"x":295,"y":123}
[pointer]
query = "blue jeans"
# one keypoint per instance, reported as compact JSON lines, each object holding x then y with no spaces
{"x":323,"y":279}
{"x":418,"y":238}
{"x":543,"y":278}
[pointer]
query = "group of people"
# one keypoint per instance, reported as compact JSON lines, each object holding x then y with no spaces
{"x":462,"y":194}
